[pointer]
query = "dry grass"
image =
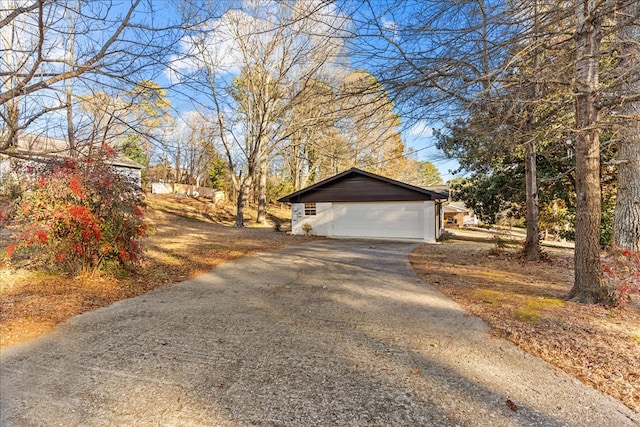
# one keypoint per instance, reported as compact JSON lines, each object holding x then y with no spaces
{"x":187,"y":242}
{"x":525,"y":303}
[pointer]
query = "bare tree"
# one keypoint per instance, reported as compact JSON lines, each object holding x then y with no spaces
{"x":103,"y":118}
{"x":314,"y":148}
{"x":106,"y":44}
{"x":588,"y":286}
{"x":193,"y":149}
{"x":491,"y":63}
{"x":274,"y":54}
{"x":470,"y":57}
{"x":369,"y":125}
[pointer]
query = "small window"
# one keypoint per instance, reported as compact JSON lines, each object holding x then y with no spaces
{"x":309,"y":209}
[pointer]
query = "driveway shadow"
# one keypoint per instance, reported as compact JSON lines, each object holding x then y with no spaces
{"x":324,"y":333}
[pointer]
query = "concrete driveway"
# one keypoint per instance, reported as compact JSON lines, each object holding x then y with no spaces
{"x":329,"y":333}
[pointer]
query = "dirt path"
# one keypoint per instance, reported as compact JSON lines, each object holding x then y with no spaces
{"x":326,"y":333}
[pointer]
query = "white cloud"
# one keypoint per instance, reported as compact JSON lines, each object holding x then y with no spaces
{"x":220,"y":42}
{"x":391,"y":27}
{"x":421,"y":129}
{"x":216,"y":45}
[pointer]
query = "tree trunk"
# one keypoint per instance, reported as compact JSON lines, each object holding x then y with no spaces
{"x":531,"y":249}
{"x":588,"y":285}
{"x":242,"y":201}
{"x":262,"y":194}
{"x":294,"y":161}
{"x":73,"y":149}
{"x":626,"y":222}
{"x":240,"y":204}
{"x":71,"y":135}
{"x":294,"y":167}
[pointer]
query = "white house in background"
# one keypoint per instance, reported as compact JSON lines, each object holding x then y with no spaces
{"x":359,"y":204}
{"x":37,"y":146}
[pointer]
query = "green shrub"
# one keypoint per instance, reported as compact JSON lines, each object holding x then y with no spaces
{"x":307,"y":228}
{"x":12,"y":190}
{"x":445,"y":236}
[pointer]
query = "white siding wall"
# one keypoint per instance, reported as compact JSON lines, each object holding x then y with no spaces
{"x":429,"y":221}
{"x":388,"y":220}
{"x":320,"y":222}
{"x":131,"y":173}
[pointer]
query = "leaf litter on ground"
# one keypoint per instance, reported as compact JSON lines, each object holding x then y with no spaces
{"x":525,"y":302}
{"x":522,"y":301}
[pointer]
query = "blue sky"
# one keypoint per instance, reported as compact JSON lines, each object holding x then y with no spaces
{"x":420,"y":137}
{"x":417,"y":135}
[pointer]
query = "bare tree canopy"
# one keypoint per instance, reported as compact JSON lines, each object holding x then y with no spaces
{"x":49,"y":46}
{"x":507,"y":71}
{"x":536,"y":100}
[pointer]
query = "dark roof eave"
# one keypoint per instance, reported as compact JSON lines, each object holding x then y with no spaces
{"x":434,"y":195}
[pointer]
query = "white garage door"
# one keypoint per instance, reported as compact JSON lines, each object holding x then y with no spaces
{"x":389,"y":219}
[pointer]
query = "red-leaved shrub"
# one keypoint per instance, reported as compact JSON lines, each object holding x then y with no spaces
{"x":621,"y":269}
{"x":78,"y":217}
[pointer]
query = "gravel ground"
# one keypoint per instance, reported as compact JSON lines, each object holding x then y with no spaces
{"x":325,"y":333}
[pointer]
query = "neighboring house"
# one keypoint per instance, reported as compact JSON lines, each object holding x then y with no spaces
{"x":359,"y":204}
{"x":36,"y":146}
{"x":456,"y":214}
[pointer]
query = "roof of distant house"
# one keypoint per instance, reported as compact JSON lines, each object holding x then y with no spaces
{"x":40,"y":145}
{"x":457,"y":207}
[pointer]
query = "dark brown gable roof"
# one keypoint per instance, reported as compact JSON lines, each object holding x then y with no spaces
{"x":355,"y":185}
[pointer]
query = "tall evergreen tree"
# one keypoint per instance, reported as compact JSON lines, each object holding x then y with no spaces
{"x":626,"y":224}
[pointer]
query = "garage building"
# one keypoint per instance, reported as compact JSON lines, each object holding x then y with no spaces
{"x":359,"y":204}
